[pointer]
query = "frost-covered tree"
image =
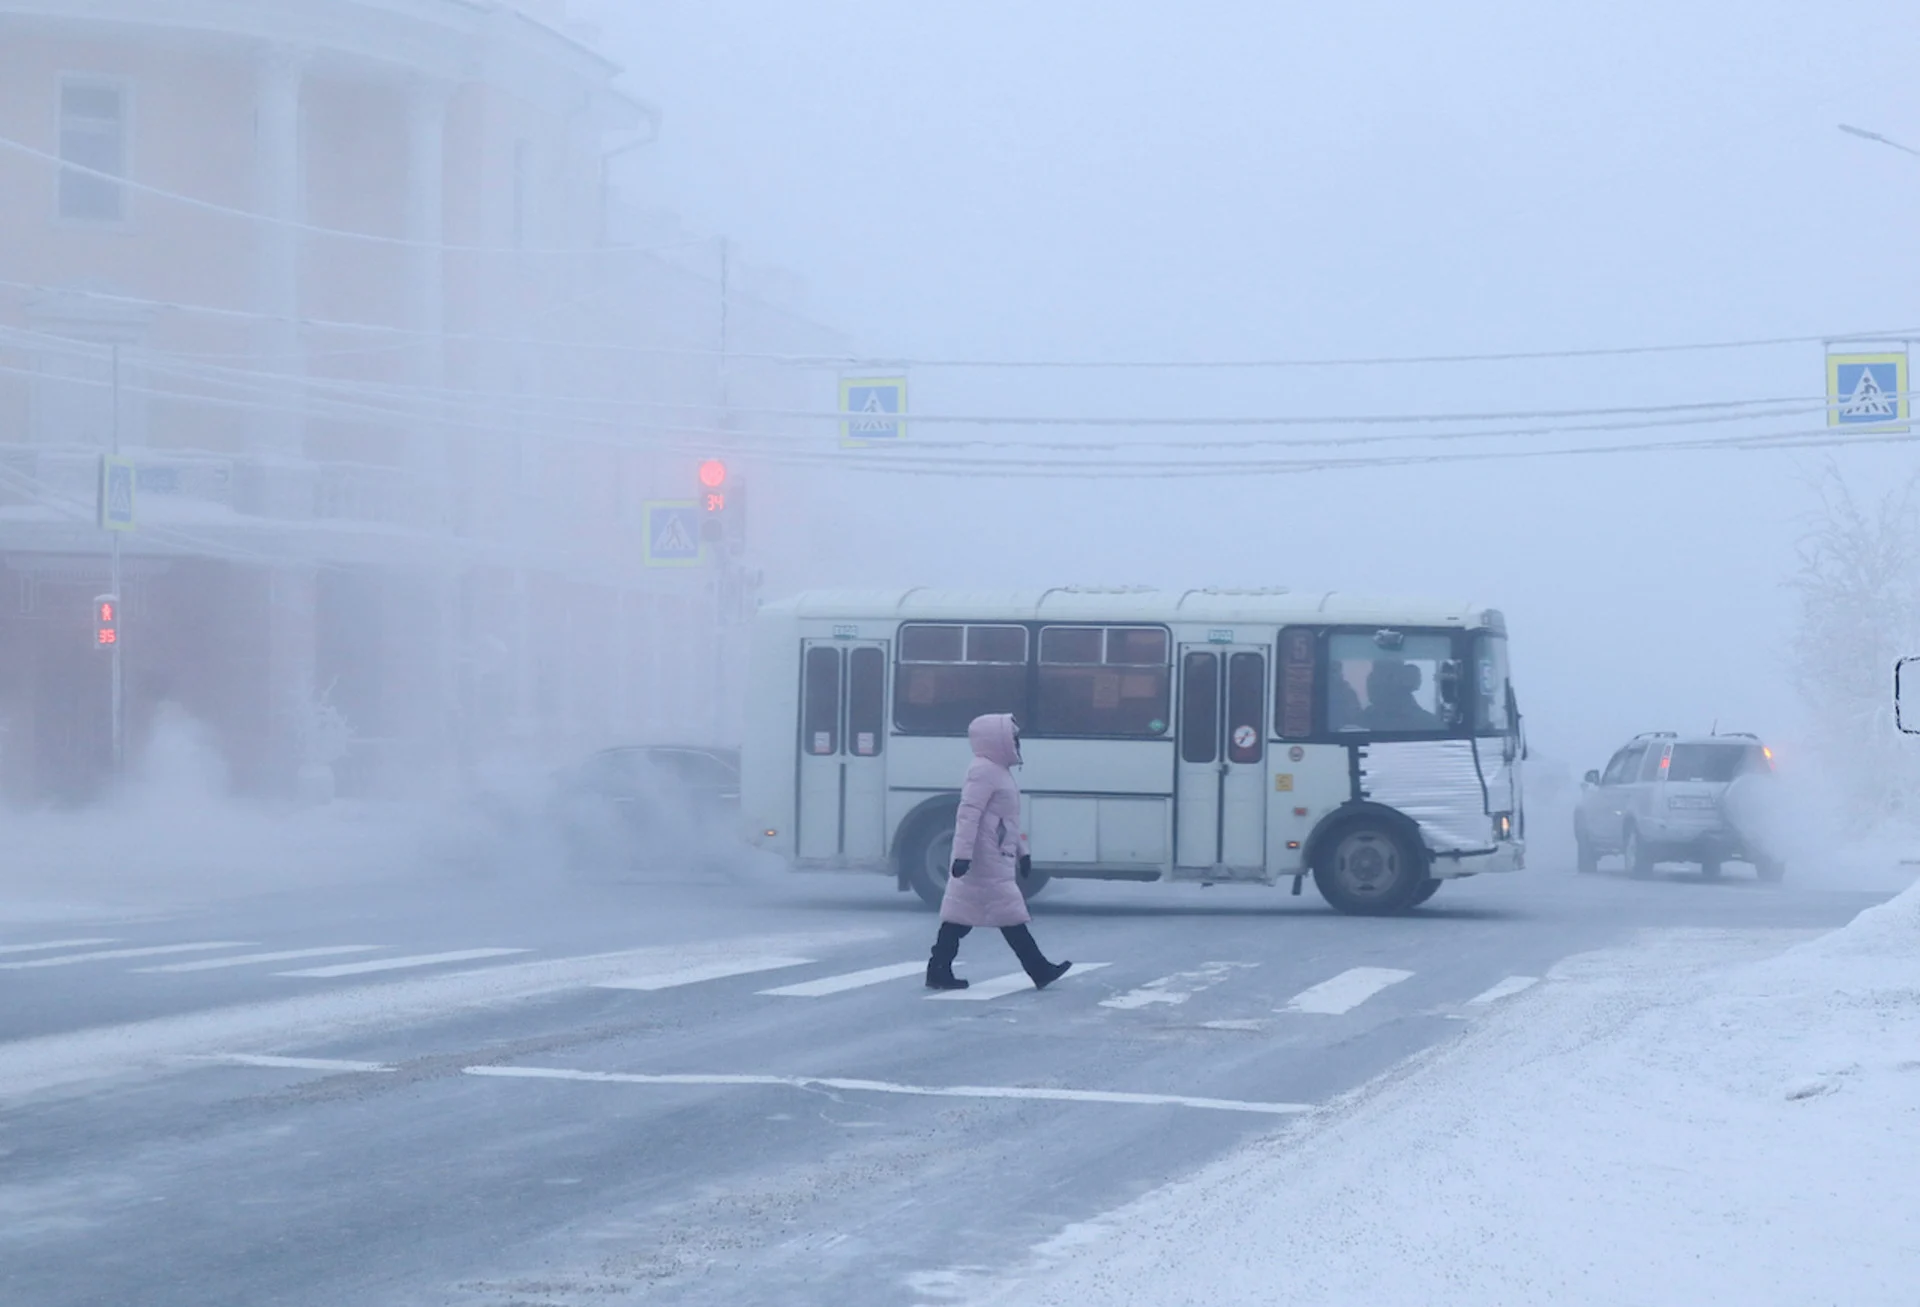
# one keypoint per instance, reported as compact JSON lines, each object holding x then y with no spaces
{"x":1858,"y":584}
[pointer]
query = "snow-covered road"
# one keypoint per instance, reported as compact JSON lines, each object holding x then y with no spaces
{"x":482,"y":1091}
{"x":1693,"y":1117}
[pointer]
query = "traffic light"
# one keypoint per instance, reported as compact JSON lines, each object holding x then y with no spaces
{"x":713,"y":501}
{"x":106,"y":621}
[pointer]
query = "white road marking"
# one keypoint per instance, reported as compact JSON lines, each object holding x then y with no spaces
{"x":109,"y":955}
{"x":709,"y":971}
{"x":1241,"y":1024}
{"x":53,"y":944}
{"x":1346,"y":991}
{"x":1177,"y":988}
{"x":62,"y":1064}
{"x":982,"y":990}
{"x":295,"y":1063}
{"x":248,"y":959}
{"x":851,"y":980}
{"x":1506,"y":989}
{"x":399,"y":964}
{"x":1013,"y":1092}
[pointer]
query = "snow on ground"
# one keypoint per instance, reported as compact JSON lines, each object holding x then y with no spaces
{"x":1698,"y":1119}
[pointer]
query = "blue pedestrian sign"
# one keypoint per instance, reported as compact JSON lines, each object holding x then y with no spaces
{"x":116,"y":493}
{"x":872,"y":410}
{"x":673,"y":533}
{"x":1868,"y":391}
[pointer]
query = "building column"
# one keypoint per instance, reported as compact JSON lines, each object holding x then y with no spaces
{"x":275,"y":482}
{"x":427,"y":104}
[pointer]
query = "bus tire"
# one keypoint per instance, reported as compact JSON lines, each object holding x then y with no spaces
{"x":926,"y":851}
{"x":1368,"y":868}
{"x":1426,"y":891}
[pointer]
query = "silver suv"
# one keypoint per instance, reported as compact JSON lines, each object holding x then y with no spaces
{"x":1672,"y":798}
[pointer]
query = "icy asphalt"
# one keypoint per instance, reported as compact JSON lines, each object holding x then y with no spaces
{"x":701,"y":1089}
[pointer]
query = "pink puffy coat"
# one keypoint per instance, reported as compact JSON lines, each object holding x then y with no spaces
{"x":988,"y":832}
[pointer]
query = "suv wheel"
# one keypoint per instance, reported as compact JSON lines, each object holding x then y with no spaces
{"x":1586,"y":857}
{"x":1710,"y":868}
{"x":1771,"y":870}
{"x":1639,"y":860}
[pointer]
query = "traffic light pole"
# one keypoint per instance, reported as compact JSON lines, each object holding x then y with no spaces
{"x":718,"y":728}
{"x":119,"y":735}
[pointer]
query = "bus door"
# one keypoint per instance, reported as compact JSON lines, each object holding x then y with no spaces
{"x":843,"y":740}
{"x":1220,"y":813}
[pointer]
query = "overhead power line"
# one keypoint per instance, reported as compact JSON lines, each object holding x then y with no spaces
{"x":882,"y":363}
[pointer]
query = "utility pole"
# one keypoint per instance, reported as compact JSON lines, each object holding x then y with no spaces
{"x":721,"y":561}
{"x":119,"y":735}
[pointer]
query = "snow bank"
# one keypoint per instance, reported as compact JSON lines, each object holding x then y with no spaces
{"x":1698,"y":1119}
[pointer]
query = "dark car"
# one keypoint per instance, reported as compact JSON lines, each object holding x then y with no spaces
{"x":656,"y":806}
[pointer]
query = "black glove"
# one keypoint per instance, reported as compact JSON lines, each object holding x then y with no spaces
{"x":961,"y":866}
{"x":1026,"y":865}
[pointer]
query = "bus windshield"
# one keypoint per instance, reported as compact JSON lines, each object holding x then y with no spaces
{"x":1387,"y":682}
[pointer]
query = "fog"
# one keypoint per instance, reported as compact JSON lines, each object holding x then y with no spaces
{"x":1248,"y":181}
{"x":1044,"y":217}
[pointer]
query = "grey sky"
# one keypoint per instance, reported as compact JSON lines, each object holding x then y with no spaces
{"x":1218,"y":180}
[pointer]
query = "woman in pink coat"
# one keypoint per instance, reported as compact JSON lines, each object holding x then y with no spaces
{"x":988,"y":852}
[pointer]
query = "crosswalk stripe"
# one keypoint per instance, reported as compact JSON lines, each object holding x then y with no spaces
{"x":707,"y":971}
{"x":1346,"y":991}
{"x":295,"y":1063}
{"x":400,"y":964}
{"x":109,"y":955}
{"x":1505,"y":989}
{"x":53,"y":944}
{"x":249,"y":959}
{"x":851,"y":980}
{"x":982,"y":990}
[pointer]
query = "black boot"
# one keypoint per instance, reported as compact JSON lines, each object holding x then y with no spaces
{"x":1032,"y":960}
{"x":946,"y":946}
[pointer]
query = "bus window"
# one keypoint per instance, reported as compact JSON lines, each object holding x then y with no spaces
{"x":866,"y":702}
{"x":1299,"y":664}
{"x":1104,"y":681}
{"x":951,"y":673}
{"x":1386,"y":686}
{"x":1246,"y":707}
{"x":1200,"y":707}
{"x":820,"y":702}
{"x":1490,"y":716}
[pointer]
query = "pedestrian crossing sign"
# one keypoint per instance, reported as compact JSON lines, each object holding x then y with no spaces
{"x":116,"y":493}
{"x":872,"y":410}
{"x":673,"y":533}
{"x":1868,"y":391}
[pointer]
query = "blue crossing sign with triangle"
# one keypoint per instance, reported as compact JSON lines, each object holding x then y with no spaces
{"x":673,"y":533}
{"x":1868,"y":391}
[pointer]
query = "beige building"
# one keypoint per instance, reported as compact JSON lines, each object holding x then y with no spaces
{"x":345,"y":282}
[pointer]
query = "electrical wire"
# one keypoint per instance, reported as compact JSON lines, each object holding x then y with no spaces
{"x":339,"y":233}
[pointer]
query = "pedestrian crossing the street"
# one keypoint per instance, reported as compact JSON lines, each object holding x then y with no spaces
{"x":1248,"y":995}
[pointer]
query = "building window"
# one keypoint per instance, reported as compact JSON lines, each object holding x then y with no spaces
{"x":93,"y":135}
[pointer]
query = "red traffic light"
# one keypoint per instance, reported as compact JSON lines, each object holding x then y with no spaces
{"x":713,"y":474}
{"x":106,"y":621}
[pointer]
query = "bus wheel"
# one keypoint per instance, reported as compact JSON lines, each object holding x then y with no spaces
{"x":1427,"y":891}
{"x":1367,"y":870}
{"x":926,"y":854}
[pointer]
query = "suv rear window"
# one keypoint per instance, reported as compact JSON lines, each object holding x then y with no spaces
{"x":1713,"y":762}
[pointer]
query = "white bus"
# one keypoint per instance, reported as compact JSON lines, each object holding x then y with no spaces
{"x":1209,"y":737}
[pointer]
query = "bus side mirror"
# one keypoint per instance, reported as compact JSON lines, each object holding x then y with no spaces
{"x":1447,"y":687}
{"x":1900,"y":677}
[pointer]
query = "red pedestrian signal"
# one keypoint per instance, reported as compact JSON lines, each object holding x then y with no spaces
{"x":106,"y":621}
